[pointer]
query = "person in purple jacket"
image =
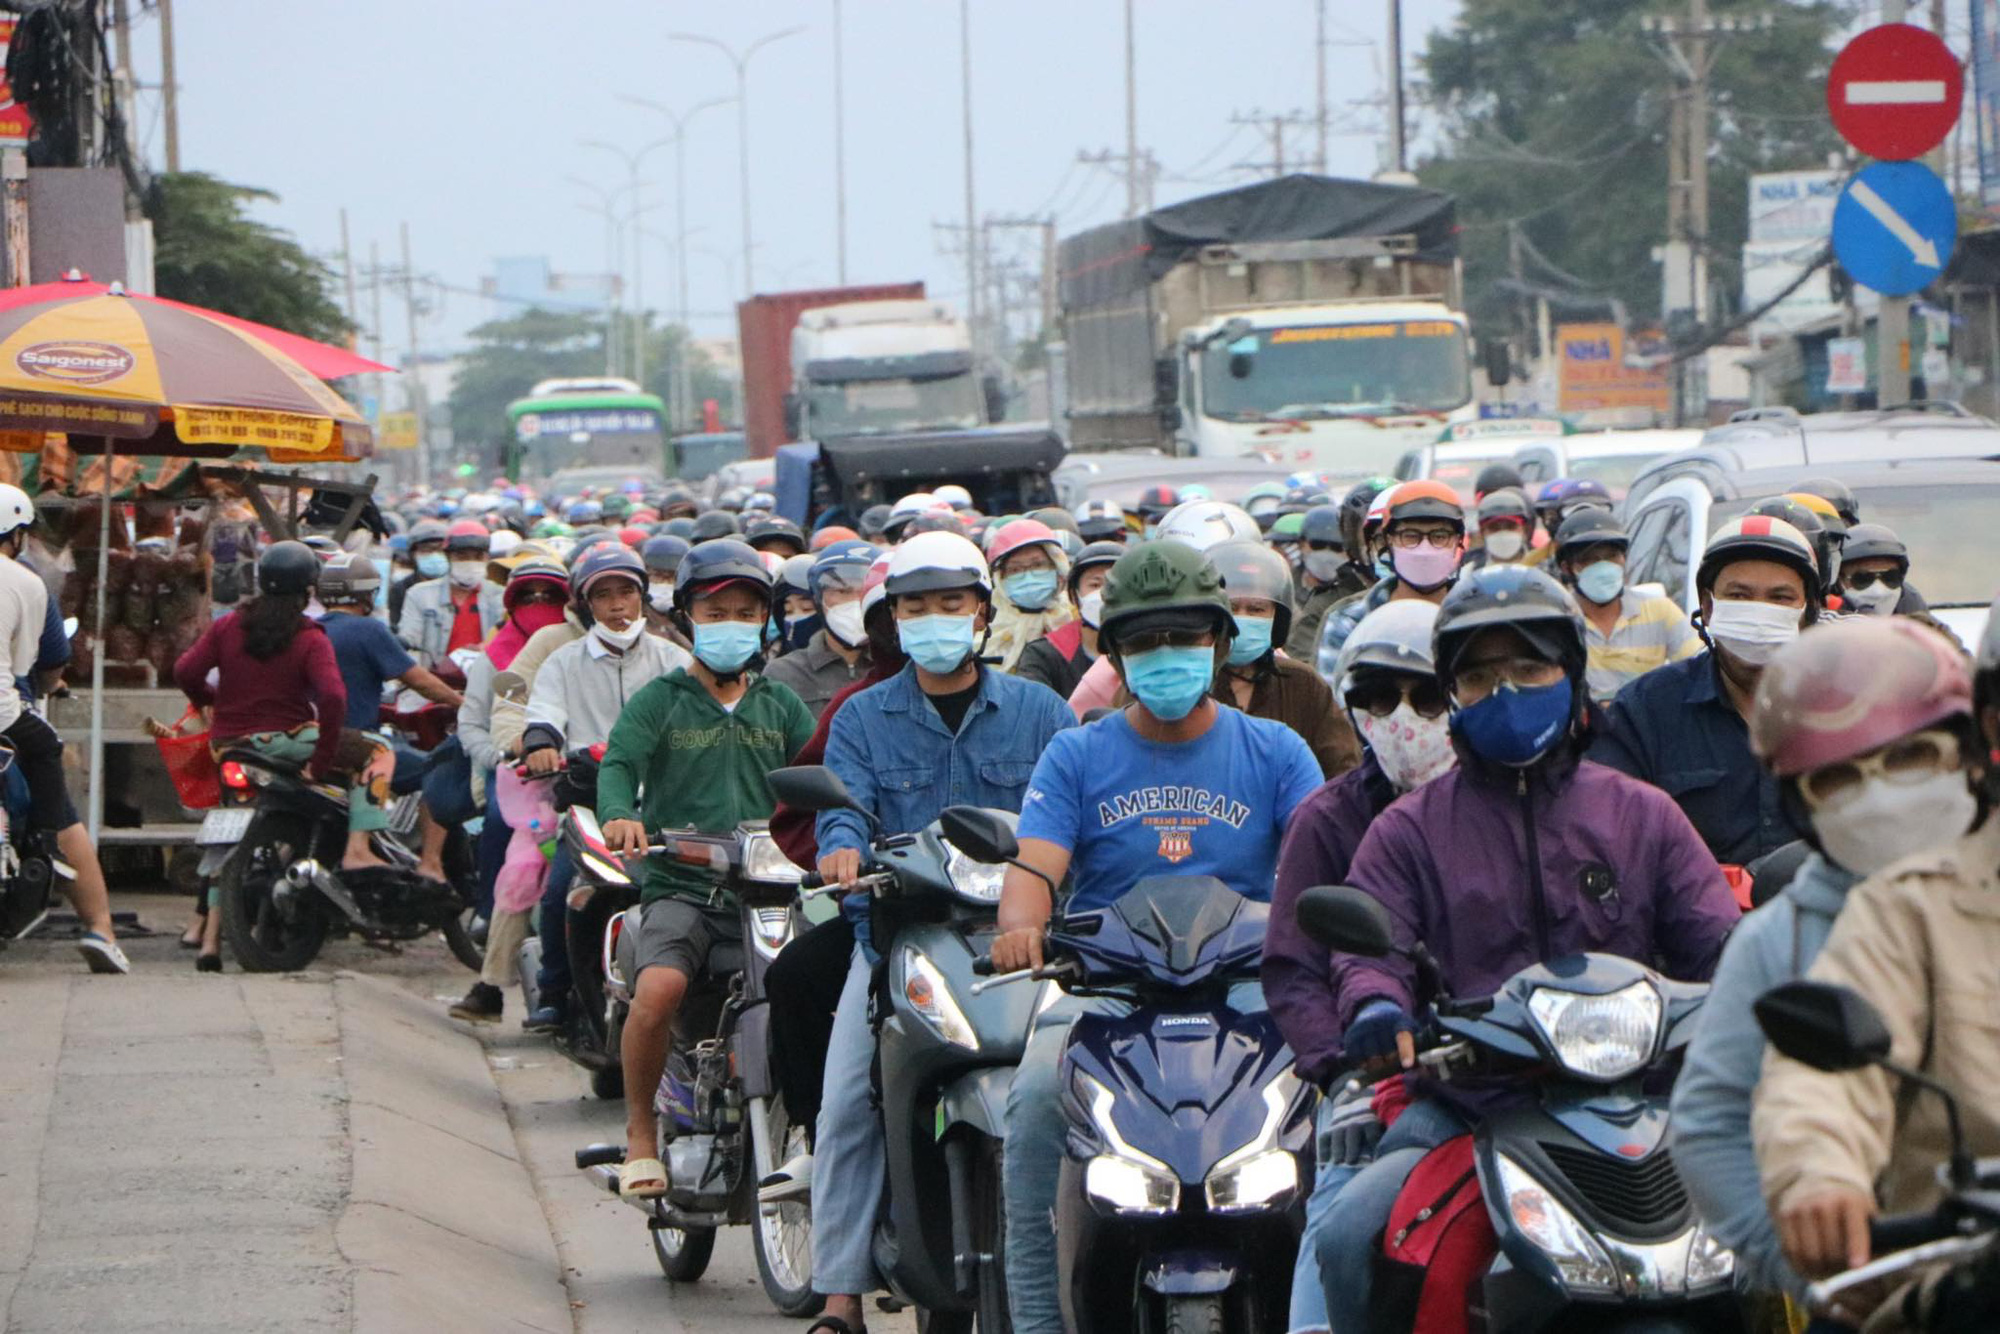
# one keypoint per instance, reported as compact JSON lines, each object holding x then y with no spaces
{"x":1386,"y":680}
{"x":1524,"y":853}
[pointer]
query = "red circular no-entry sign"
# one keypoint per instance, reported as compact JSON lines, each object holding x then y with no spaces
{"x":1894,"y":91}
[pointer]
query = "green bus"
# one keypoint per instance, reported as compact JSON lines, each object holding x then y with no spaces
{"x":588,"y":432}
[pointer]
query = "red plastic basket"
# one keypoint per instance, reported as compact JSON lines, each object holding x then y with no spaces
{"x":190,"y":765}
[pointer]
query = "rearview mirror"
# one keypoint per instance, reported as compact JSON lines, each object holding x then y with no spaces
{"x":1822,"y":1025}
{"x":979,"y":834}
{"x":1347,"y":919}
{"x":810,"y":787}
{"x":793,"y":416}
{"x":510,"y":687}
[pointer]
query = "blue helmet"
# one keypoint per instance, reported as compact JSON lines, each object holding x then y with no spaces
{"x":605,"y":560}
{"x":851,"y":558}
{"x":720,"y":561}
{"x":584,"y":511}
{"x":662,"y":554}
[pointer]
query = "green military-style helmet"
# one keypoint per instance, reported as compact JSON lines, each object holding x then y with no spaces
{"x":1164,"y":585}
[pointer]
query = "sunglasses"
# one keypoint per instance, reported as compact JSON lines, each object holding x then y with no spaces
{"x":1380,"y":698}
{"x":541,"y":595}
{"x":1862,"y":579}
{"x":1911,"y":760}
{"x":1145,"y":641}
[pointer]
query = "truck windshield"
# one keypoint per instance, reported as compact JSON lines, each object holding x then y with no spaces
{"x":1337,"y":370}
{"x":880,"y":407}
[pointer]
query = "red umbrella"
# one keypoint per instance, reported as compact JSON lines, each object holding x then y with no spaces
{"x":323,"y":360}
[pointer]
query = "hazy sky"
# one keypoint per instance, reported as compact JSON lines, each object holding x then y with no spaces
{"x":464,"y":118}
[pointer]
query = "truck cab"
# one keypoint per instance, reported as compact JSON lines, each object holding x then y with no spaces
{"x":871,"y":368}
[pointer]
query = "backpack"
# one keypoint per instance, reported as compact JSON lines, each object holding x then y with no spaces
{"x":1438,"y":1242}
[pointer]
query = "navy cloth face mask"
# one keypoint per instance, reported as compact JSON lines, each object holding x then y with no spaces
{"x":1516,"y":725}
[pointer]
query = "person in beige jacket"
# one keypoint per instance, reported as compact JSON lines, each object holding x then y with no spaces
{"x":1918,"y":940}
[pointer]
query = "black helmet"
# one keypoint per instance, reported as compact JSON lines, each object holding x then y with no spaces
{"x":874,"y":520}
{"x":1092,"y":556}
{"x":605,"y":559}
{"x":1494,"y":477}
{"x":715,"y":523}
{"x":1354,"y":508}
{"x":675,"y":496}
{"x":680,"y":526}
{"x":1322,"y":524}
{"x":287,"y":568}
{"x":662,"y":555}
{"x":1793,"y":513}
{"x":1505,"y":502}
{"x":1520,"y":598}
{"x":1587,"y":527}
{"x":773,"y":527}
{"x":721,"y":561}
{"x":1871,"y":541}
{"x":1836,"y":493}
{"x":1252,"y":569}
{"x":346,"y":578}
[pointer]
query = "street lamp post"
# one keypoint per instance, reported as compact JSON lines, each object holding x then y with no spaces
{"x":682,"y":384}
{"x":610,"y":215}
{"x":632,"y":161}
{"x":742,"y":63}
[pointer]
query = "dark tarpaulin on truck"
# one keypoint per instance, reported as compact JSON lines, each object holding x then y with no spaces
{"x":897,"y":458}
{"x":1121,"y":257}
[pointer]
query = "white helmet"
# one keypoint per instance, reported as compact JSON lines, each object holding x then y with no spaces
{"x":954,"y":495}
{"x":929,"y":562}
{"x":910,"y":506}
{"x":16,"y":510}
{"x":502,"y":543}
{"x":1203,"y":523}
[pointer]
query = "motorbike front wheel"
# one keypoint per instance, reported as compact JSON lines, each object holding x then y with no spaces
{"x":457,"y":929}
{"x":264,"y":937}
{"x":683,"y":1252}
{"x":989,"y":1238}
{"x":1199,"y":1313}
{"x":783,"y":1233}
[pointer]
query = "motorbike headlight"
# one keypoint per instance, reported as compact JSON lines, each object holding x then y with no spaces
{"x":1555,"y":1231}
{"x":1600,"y":1037}
{"x":1124,"y":1179}
{"x":1257,"y":1172}
{"x":1710,"y":1263}
{"x":930,"y":995}
{"x":762,"y":860}
{"x":979,"y":881}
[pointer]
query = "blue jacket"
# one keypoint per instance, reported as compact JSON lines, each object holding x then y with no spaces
{"x":899,"y":762}
{"x":1711,"y":1108}
{"x":1674,"y":728}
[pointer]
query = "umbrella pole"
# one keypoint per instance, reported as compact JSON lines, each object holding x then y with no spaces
{"x":96,"y":802}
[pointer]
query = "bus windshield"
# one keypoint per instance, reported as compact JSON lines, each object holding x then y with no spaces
{"x":1337,"y":370}
{"x":557,"y":431}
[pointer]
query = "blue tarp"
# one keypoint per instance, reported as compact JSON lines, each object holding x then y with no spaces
{"x":795,"y":480}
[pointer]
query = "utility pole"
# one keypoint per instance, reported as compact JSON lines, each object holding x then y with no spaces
{"x":639,"y":320}
{"x":375,"y":323}
{"x":122,"y":83}
{"x":742,"y":63}
{"x":170,"y":113}
{"x":415,"y":369}
{"x":347,"y":268}
{"x":1132,"y":189}
{"x":1319,"y":82}
{"x":1892,"y":313}
{"x":1275,"y":127}
{"x":1397,"y":155}
{"x":839,"y":157}
{"x":971,"y":212}
{"x":1045,"y":228}
{"x":1147,"y":171}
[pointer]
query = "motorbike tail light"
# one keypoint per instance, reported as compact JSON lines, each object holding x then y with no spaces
{"x":233,"y":775}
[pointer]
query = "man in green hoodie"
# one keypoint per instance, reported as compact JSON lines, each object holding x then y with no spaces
{"x":691,"y":748}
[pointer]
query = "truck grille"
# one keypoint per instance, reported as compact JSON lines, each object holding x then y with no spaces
{"x":1642,"y":1196}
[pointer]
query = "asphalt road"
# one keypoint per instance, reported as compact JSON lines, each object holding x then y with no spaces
{"x":307,"y":1153}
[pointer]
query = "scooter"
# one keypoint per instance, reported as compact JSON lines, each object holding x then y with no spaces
{"x":723,"y":1125}
{"x":945,"y":1057}
{"x":1593,"y":1226}
{"x":276,"y":844}
{"x":30,"y":870}
{"x":1188,"y":1155}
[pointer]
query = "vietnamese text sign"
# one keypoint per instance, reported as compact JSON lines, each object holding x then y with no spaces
{"x":1594,"y":374}
{"x":1846,"y":365}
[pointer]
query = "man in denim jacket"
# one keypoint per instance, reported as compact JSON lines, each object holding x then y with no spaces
{"x":945,"y":731}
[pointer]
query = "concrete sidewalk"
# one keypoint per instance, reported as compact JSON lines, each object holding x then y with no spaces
{"x":317,"y":1152}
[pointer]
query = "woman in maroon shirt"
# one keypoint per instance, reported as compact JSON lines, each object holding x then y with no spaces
{"x":279,"y":692}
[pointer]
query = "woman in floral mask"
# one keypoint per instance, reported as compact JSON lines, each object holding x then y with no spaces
{"x":1390,"y":689}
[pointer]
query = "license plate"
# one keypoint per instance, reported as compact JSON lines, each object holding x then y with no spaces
{"x":225,"y":826}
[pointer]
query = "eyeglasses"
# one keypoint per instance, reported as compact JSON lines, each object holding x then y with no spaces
{"x":1408,"y":538}
{"x":1482,"y":678}
{"x":1865,"y":579}
{"x":1911,"y":760}
{"x":1381,"y":698}
{"x":1145,"y":641}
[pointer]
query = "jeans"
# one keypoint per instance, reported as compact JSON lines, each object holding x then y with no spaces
{"x":552,"y":980}
{"x":491,"y":850}
{"x":848,"y":1148}
{"x":1308,"y":1295}
{"x":1350,"y":1235}
{"x":1034,"y":1153}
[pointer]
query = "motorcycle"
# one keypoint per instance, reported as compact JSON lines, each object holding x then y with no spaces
{"x":1188,"y":1154}
{"x":723,"y":1124}
{"x":31,"y":872}
{"x":945,"y":1057}
{"x":1594,"y":1229}
{"x":276,"y":843}
{"x":1949,"y":1252}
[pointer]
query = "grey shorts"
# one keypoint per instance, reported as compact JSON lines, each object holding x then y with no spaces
{"x":688,"y":938}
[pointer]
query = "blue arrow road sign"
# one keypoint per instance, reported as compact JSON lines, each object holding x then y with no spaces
{"x":1894,"y":226}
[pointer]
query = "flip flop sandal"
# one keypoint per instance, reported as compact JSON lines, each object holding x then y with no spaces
{"x":644,"y":1179}
{"x":101,"y":954}
{"x":836,"y":1325}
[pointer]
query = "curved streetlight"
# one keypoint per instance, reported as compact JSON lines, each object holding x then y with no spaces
{"x":742,"y":63}
{"x":632,"y":160}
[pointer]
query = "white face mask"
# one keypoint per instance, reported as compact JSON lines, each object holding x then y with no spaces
{"x":1884,"y":822}
{"x":619,"y":639}
{"x":1505,"y":544}
{"x":1411,"y":749}
{"x":468,"y":573}
{"x":1324,"y":565}
{"x":844,"y":623}
{"x":1752,"y":632}
{"x":660,"y":597}
{"x":1878,"y":599}
{"x":1091,"y":606}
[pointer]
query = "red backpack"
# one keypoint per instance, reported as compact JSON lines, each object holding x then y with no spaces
{"x":1438,"y":1242}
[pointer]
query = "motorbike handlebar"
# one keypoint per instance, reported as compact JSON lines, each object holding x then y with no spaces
{"x":1900,"y":1232}
{"x":983,"y":966}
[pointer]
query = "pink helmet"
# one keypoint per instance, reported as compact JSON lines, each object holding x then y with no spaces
{"x":1852,"y":686}
{"x":1011,"y":537}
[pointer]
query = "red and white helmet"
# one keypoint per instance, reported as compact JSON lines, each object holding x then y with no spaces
{"x":1851,"y":686}
{"x":1203,"y":523}
{"x":1009,"y":538}
{"x":874,"y":585}
{"x":930,"y":562}
{"x":954,"y":495}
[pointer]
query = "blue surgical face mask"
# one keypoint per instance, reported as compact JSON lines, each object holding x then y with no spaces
{"x":433,"y":565}
{"x":1170,"y":681}
{"x":938,"y":644}
{"x":1384,"y":566}
{"x":1516,"y":725}
{"x":1253,"y":640}
{"x":1030,"y":590}
{"x":724,"y":646}
{"x":1601,"y":581}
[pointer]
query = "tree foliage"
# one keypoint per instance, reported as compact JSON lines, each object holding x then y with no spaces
{"x":209,"y":252}
{"x":1555,"y":119}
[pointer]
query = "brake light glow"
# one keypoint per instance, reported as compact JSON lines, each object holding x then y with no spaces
{"x":233,"y":775}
